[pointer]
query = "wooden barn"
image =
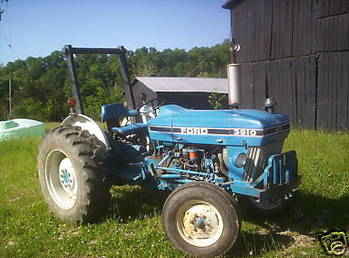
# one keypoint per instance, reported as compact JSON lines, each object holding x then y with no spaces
{"x":296,"y":51}
{"x":188,"y":92}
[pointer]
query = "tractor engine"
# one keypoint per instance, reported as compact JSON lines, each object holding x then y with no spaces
{"x":237,"y":147}
{"x":191,"y":158}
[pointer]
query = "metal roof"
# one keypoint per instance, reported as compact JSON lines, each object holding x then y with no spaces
{"x":185,"y":84}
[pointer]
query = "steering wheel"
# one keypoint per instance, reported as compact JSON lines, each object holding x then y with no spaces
{"x":155,"y":104}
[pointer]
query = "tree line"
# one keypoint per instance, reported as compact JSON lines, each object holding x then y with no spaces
{"x":41,"y":86}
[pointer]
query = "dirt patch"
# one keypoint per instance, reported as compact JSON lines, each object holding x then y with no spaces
{"x":300,"y":241}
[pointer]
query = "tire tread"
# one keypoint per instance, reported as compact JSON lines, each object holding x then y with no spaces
{"x":96,"y":195}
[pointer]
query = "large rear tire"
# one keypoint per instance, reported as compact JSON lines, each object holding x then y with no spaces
{"x":72,"y":174}
{"x":201,"y":219}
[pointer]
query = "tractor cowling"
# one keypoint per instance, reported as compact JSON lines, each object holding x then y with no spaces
{"x":235,"y":127}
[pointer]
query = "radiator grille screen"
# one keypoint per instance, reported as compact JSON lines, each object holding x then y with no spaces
{"x":257,"y":158}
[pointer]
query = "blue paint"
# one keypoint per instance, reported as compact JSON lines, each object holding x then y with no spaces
{"x":130,"y":129}
{"x":176,"y":170}
{"x":244,"y":188}
{"x":233,"y":152}
{"x":235,"y":131}
{"x":115,"y":112}
{"x":173,"y":116}
{"x":171,"y":176}
{"x":240,"y":118}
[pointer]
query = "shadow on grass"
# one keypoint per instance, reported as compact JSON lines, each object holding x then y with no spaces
{"x":130,"y":203}
{"x":308,"y":214}
{"x":255,"y":244}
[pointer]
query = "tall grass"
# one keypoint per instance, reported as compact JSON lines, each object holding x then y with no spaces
{"x":133,"y":229}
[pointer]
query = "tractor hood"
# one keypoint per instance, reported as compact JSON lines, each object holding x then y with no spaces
{"x":226,"y":127}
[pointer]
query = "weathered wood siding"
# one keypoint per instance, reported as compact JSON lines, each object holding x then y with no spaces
{"x":296,"y":51}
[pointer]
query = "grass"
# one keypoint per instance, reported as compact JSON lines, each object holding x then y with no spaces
{"x":133,"y":229}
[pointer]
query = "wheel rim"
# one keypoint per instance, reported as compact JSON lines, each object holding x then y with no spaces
{"x":199,"y":223}
{"x":60,"y":178}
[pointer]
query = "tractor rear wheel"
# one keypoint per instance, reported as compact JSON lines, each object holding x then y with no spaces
{"x":201,"y":219}
{"x":72,"y":174}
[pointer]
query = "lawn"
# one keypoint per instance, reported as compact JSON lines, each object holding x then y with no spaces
{"x":133,"y":229}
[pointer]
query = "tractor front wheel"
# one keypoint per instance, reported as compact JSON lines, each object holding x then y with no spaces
{"x":72,"y":174}
{"x":201,"y":219}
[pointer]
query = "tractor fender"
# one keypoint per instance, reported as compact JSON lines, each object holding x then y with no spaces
{"x":88,"y":124}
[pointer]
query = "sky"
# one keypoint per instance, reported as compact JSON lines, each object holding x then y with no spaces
{"x":38,"y":27}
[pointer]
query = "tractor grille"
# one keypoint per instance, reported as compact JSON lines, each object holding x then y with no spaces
{"x":257,"y":158}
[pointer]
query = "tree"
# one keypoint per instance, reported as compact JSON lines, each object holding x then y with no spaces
{"x":41,"y":85}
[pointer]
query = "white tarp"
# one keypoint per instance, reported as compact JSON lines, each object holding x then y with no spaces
{"x":21,"y":128}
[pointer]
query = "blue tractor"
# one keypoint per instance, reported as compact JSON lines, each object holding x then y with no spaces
{"x":210,"y":160}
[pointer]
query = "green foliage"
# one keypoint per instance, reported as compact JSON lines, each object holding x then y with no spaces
{"x":100,"y":97}
{"x":40,"y":86}
{"x":217,"y":100}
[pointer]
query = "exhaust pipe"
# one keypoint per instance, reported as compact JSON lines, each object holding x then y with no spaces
{"x":234,"y":85}
{"x":233,"y":71}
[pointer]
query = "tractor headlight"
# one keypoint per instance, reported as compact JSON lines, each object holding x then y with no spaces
{"x":241,"y":160}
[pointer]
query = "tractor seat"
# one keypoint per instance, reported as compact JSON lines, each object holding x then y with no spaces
{"x":129,"y":129}
{"x":114,"y":112}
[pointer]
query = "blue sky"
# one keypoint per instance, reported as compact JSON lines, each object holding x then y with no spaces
{"x":38,"y":27}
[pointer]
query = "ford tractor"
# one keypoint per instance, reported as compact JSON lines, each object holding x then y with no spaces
{"x":210,"y":160}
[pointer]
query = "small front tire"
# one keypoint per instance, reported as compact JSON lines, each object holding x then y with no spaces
{"x":201,"y":219}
